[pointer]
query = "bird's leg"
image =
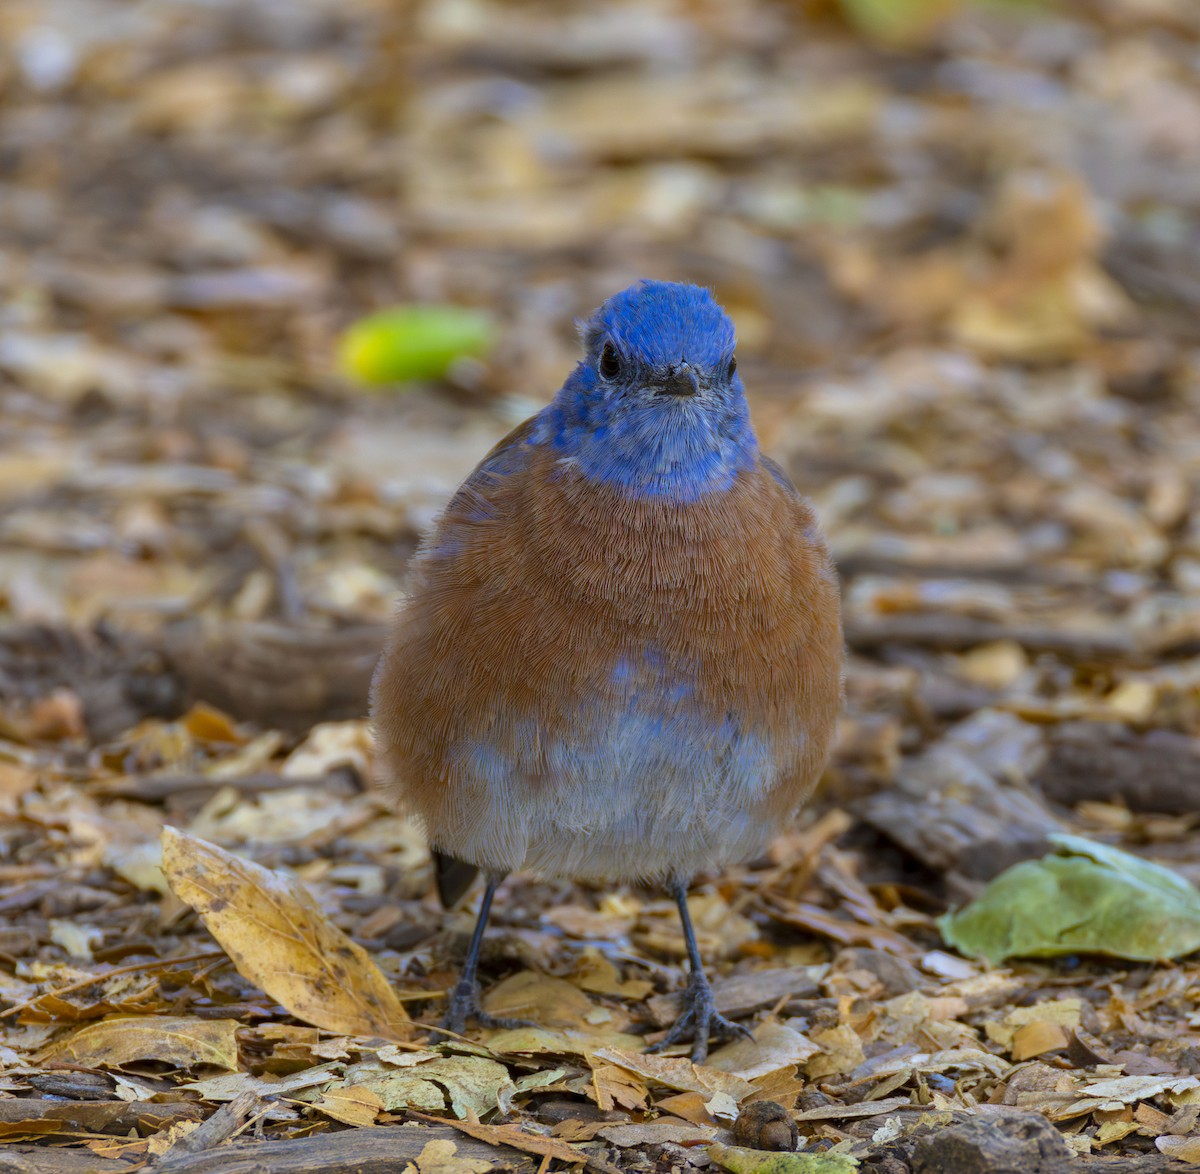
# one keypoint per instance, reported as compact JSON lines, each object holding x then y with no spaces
{"x":699,"y":1019}
{"x":464,"y":999}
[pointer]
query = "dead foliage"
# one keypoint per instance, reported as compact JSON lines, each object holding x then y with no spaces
{"x":961,"y":249}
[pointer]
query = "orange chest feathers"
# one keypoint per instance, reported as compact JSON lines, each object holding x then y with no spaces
{"x":564,"y":616}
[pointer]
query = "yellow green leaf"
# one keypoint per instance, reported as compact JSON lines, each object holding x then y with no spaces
{"x":1086,"y":898}
{"x":740,"y":1160}
{"x":412,"y":342}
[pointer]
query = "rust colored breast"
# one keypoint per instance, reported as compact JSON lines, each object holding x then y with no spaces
{"x":594,"y":686}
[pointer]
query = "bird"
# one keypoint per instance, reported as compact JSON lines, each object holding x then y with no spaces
{"x":620,"y":659}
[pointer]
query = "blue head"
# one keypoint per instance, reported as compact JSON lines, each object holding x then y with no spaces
{"x":656,"y":406}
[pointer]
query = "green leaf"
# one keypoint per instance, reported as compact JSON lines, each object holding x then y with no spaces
{"x":1086,"y":898}
{"x":412,"y":342}
{"x":904,"y":23}
{"x":897,"y":21}
{"x":741,"y":1160}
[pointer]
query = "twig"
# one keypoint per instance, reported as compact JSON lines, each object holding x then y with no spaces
{"x":954,"y":633}
{"x":221,"y":1126}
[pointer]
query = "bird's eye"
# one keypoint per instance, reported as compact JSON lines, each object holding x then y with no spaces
{"x":610,"y":361}
{"x":732,"y":367}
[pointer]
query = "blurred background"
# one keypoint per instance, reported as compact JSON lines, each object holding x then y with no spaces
{"x":961,"y":243}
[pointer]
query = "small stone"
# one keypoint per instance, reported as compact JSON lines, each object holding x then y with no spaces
{"x":1005,"y":1142}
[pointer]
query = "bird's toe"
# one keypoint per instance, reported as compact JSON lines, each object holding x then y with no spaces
{"x":464,"y":1009}
{"x":700,"y":1022}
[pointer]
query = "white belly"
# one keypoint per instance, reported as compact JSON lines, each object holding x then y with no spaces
{"x":654,"y":794}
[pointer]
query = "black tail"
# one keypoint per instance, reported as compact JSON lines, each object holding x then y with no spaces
{"x":453,"y":878}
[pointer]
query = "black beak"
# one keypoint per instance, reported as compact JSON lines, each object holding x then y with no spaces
{"x":680,"y":381}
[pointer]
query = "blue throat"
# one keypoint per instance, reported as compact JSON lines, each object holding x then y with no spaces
{"x":677,"y":451}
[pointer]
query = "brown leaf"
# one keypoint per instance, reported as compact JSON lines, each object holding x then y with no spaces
{"x":351,"y":1105}
{"x":183,"y":1040}
{"x":552,"y":1002}
{"x":271,"y":928}
{"x":773,"y":1048}
{"x":440,"y":1156}
{"x":1037,"y":1038}
{"x":614,"y":1085}
{"x":1183,"y":1149}
{"x":15,"y":781}
{"x":678,"y":1073}
{"x":209,"y":725}
{"x":688,"y":1105}
{"x":841,"y":1052}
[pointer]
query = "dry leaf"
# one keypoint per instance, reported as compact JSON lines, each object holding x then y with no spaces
{"x":774,"y":1047}
{"x":184,"y":1041}
{"x":688,"y":1105}
{"x":1128,"y":1089}
{"x":225,"y":1088}
{"x":550,"y":1002}
{"x":678,"y":1073}
{"x":841,"y":1052}
{"x":329,"y":745}
{"x":76,"y":939}
{"x":15,"y":781}
{"x":612,"y":1085}
{"x":530,"y":1082}
{"x":1114,"y":1126}
{"x":210,"y":725}
{"x":465,"y":1085}
{"x":784,"y":1086}
{"x":270,"y":926}
{"x":350,"y":1104}
{"x":1062,"y":1012}
{"x":596,"y":973}
{"x":140,"y":864}
{"x":515,"y":1136}
{"x":581,"y":922}
{"x":1182,"y":1149}
{"x":166,"y":1138}
{"x":440,"y":1156}
{"x":1037,"y":1038}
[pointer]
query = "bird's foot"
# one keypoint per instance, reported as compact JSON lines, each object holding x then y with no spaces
{"x":464,"y":1007}
{"x":700,"y":1021}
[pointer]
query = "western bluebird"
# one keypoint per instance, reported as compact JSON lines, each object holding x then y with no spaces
{"x":621,"y":658}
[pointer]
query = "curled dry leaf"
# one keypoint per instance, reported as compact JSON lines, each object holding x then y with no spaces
{"x":182,"y":1040}
{"x":441,"y":1156}
{"x":463,"y":1085}
{"x":678,"y":1073}
{"x":270,"y":926}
